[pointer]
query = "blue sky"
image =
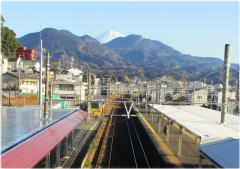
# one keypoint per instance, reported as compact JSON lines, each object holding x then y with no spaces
{"x":196,"y":28}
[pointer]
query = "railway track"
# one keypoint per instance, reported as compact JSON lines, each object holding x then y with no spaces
{"x":137,"y":146}
{"x":127,"y":145}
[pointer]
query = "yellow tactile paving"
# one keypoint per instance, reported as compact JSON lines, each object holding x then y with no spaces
{"x":171,"y":156}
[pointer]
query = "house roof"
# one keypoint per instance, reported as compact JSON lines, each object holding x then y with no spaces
{"x":224,"y":153}
{"x":12,"y":59}
{"x":7,"y":77}
{"x":197,"y":90}
{"x":29,"y":62}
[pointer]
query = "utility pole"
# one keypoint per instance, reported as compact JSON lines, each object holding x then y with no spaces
{"x":51,"y":93}
{"x":9,"y":96}
{"x":109,"y":86}
{"x":40,"y":77}
{"x":193,"y":94}
{"x":237,"y":93}
{"x":59,"y":65}
{"x":88,"y":93}
{"x":225,"y":83}
{"x":80,"y":97}
{"x":212,"y":96}
{"x":46,"y":113}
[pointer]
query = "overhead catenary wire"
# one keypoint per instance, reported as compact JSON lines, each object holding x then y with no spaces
{"x":137,"y":102}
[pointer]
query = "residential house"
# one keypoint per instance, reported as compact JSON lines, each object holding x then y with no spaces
{"x":71,"y":75}
{"x":216,"y":98}
{"x":198,"y":97}
{"x":69,"y":90}
{"x":29,"y":66}
{"x":10,"y":84}
{"x":29,"y":84}
{"x":20,"y":82}
{"x":14,"y":64}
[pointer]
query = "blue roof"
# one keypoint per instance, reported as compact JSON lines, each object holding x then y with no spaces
{"x":224,"y":153}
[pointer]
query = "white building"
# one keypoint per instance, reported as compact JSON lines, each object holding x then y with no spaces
{"x":196,"y":85}
{"x":71,"y":75}
{"x":29,"y":85}
{"x":75,"y":71}
{"x":73,"y":90}
{"x":199,"y":97}
{"x":4,"y":65}
{"x":215,"y":97}
{"x":37,"y":67}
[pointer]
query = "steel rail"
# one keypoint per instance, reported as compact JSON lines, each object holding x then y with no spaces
{"x":140,"y":144}
{"x":135,"y":160}
{"x":98,"y":163}
{"x":110,"y":156}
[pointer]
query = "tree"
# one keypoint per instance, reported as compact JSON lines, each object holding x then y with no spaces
{"x":9,"y":42}
{"x":125,"y":78}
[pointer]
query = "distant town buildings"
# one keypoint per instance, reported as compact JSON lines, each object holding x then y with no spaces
{"x":21,"y":75}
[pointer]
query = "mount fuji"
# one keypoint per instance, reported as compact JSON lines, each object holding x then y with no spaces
{"x":108,"y":36}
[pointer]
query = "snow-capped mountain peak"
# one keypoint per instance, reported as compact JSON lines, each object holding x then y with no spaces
{"x":108,"y":36}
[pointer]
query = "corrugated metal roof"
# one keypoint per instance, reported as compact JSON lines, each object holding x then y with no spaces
{"x":224,"y":153}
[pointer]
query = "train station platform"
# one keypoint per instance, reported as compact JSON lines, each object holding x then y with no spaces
{"x":27,"y":137}
{"x":179,"y":131}
{"x":202,"y":122}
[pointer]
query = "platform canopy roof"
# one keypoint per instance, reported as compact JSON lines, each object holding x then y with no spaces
{"x":202,"y":122}
{"x":19,"y":123}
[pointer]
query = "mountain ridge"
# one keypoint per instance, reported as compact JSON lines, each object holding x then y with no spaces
{"x":108,"y":36}
{"x":133,"y":55}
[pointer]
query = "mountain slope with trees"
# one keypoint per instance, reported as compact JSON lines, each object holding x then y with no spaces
{"x":132,"y":55}
{"x":63,"y":45}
